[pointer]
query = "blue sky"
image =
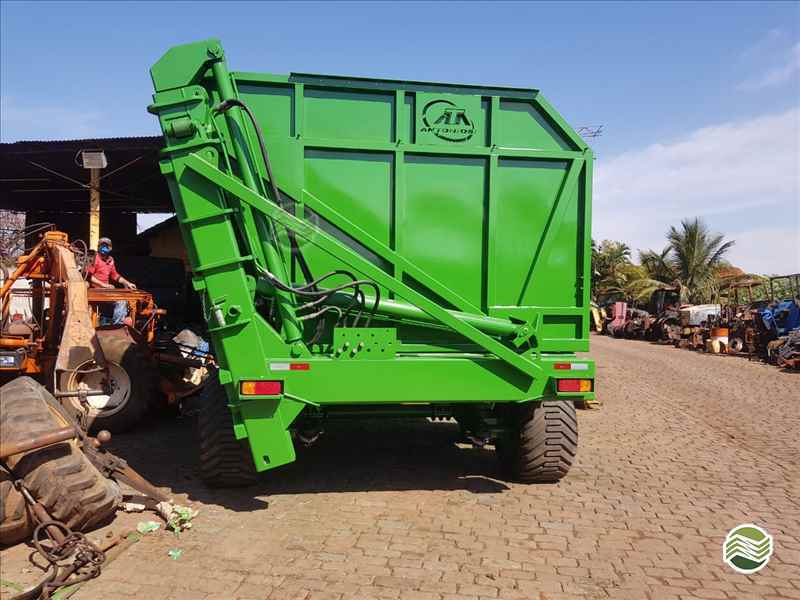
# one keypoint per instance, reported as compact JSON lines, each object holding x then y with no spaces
{"x":700,"y":102}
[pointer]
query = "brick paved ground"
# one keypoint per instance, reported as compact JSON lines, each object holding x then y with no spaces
{"x":685,"y":447}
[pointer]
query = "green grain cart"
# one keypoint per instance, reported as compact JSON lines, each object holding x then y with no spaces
{"x":377,"y":248}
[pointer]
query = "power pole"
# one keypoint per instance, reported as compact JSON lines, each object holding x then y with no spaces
{"x":95,"y":161}
{"x":94,"y":208}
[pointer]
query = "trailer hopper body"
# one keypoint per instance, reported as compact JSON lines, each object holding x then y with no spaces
{"x":369,"y":247}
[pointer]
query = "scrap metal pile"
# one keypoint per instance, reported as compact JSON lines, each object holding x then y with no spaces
{"x":56,"y":483}
{"x":755,"y":317}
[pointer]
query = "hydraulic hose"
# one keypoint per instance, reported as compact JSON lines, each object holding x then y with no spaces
{"x":310,"y":288}
{"x":224,"y":106}
{"x":324,"y":294}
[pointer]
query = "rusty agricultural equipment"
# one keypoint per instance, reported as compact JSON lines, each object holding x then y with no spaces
{"x":737,"y":330}
{"x":56,"y":483}
{"x":664,"y":308}
{"x":788,"y":354}
{"x":618,"y":319}
{"x":107,"y":374}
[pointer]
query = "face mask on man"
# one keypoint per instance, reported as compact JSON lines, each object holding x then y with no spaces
{"x":104,"y":249}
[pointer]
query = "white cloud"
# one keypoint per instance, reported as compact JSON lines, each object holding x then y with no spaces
{"x":777,"y":75}
{"x":768,"y":44}
{"x":744,"y":167}
{"x":148,"y":220}
{"x":26,"y":122}
{"x":772,"y":250}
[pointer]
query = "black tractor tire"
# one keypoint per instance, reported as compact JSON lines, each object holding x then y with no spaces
{"x":225,"y":462}
{"x":59,"y":476}
{"x":542,"y":441}
{"x":125,"y":354}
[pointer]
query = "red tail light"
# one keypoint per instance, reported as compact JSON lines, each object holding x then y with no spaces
{"x":261,"y":388}
{"x":574,"y":385}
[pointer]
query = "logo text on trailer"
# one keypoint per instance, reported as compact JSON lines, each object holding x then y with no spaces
{"x":447,"y":121}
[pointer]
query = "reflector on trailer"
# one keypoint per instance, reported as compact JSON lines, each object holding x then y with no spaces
{"x":571,"y":366}
{"x":285,"y":366}
{"x":261,"y":388}
{"x":574,"y":385}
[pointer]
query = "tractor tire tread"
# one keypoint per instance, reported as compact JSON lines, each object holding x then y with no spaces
{"x":59,"y":476}
{"x":224,"y":461}
{"x":544,"y":442}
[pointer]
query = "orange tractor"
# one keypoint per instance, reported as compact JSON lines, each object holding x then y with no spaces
{"x":106,"y":375}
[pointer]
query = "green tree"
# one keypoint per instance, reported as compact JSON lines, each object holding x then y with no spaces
{"x":697,"y":257}
{"x":657,"y":265}
{"x":610,"y":263}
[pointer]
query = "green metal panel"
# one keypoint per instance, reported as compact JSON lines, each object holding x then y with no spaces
{"x":273,"y":104}
{"x":445,"y":199}
{"x":525,"y":190}
{"x":521,"y":124}
{"x":337,"y":114}
{"x":467,"y":206}
{"x":355,"y":184}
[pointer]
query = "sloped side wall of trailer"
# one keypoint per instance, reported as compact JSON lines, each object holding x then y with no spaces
{"x":485,"y":190}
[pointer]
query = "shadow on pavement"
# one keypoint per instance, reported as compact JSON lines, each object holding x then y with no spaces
{"x":353,"y":456}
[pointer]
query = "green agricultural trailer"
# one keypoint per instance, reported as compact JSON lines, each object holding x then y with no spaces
{"x":377,"y":248}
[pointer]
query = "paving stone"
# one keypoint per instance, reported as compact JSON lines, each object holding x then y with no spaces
{"x":685,"y":447}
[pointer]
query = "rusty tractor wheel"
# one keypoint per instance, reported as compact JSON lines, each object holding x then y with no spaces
{"x":59,"y":476}
{"x":542,"y":441}
{"x":128,"y":380}
{"x":224,"y":460}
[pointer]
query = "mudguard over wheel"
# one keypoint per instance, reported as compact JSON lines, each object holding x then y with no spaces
{"x":59,"y":476}
{"x":224,"y":460}
{"x":542,"y":442}
{"x":131,"y":386}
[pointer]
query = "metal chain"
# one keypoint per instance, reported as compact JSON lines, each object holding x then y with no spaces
{"x":86,"y":558}
{"x":72,"y":560}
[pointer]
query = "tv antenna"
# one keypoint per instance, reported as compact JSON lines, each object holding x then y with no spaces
{"x":590,"y":131}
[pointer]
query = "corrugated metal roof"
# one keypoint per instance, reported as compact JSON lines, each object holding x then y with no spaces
{"x":151,"y":138}
{"x":155,"y":141}
{"x":43,"y":175}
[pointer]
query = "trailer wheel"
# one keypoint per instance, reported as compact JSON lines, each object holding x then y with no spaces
{"x":542,"y":442}
{"x":59,"y":476}
{"x":130,"y":383}
{"x":224,"y":461}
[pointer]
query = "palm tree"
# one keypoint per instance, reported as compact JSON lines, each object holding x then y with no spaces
{"x":610,"y":263}
{"x":657,"y":265}
{"x":656,"y":273}
{"x":696,"y":257}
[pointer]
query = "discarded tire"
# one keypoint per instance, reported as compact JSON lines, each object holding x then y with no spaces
{"x":542,"y":442}
{"x":131,"y":386}
{"x":15,"y":519}
{"x":224,"y":460}
{"x":59,"y":476}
